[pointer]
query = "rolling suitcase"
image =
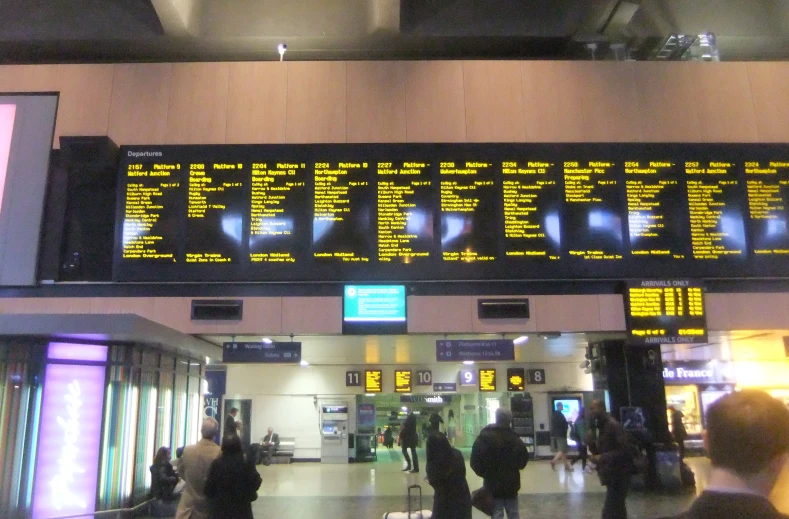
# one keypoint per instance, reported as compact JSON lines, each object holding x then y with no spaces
{"x":412,"y":512}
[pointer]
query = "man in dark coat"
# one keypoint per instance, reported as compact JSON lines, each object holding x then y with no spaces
{"x":446,"y":473}
{"x":747,"y":440}
{"x":232,"y":483}
{"x":498,"y":456}
{"x":409,"y":439}
{"x":230,"y":423}
{"x":678,"y":430}
{"x":613,"y":455}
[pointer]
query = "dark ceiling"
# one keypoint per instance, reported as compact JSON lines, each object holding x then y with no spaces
{"x":37,"y":31}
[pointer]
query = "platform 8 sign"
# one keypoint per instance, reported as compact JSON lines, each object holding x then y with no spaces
{"x":69,"y":441}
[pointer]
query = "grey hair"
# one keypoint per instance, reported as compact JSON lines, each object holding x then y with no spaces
{"x":209,"y":429}
{"x":503,"y":416}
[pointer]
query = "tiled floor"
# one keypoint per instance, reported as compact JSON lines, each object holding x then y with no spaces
{"x":368,"y":490}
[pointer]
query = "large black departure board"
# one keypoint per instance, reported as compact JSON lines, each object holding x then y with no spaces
{"x":454,"y":212}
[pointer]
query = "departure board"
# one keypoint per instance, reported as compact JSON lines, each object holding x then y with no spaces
{"x":149,"y":229}
{"x":593,"y":210}
{"x":768,"y":206}
{"x":402,"y":381}
{"x":656,"y":220}
{"x":367,"y":214}
{"x":487,"y":379}
{"x":342,"y":226}
{"x":717,"y":226}
{"x":468,"y":211}
{"x":277,"y":211}
{"x":532,"y":227}
{"x":405,"y":212}
{"x":372,"y":381}
{"x":215,"y":212}
{"x":666,"y":311}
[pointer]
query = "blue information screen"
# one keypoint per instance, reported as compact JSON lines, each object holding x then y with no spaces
{"x":374,"y":303}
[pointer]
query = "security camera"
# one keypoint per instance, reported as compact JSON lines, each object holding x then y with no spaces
{"x":282,"y":48}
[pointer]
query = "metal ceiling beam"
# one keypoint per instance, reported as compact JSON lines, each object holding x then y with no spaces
{"x":179,"y":18}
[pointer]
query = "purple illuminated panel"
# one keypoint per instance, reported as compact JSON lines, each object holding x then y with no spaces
{"x":69,"y":351}
{"x":67,"y":464}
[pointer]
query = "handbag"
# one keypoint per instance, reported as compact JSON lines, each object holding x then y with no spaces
{"x":482,"y":500}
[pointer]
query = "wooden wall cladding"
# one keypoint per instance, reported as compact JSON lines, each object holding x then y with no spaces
{"x":425,"y":101}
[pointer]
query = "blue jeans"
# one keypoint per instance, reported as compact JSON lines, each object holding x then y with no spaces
{"x":510,"y":505}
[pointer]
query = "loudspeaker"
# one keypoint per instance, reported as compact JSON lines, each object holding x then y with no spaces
{"x":503,"y":308}
{"x":217,"y":310}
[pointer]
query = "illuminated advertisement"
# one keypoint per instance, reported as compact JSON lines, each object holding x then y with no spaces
{"x":69,"y":441}
{"x":7,"y":115}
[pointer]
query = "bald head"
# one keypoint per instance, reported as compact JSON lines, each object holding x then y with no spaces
{"x":209,"y":429}
{"x":503,"y":417}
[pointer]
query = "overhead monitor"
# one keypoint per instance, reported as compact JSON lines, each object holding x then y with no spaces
{"x":373,"y":381}
{"x":516,"y":379}
{"x":487,"y":379}
{"x":402,"y":381}
{"x":665,"y":311}
{"x":374,"y":309}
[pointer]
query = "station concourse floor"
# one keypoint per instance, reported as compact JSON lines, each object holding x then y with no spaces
{"x":368,"y":490}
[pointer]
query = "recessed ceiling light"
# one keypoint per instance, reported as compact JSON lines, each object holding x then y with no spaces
{"x":468,"y":362}
{"x":521,"y":339}
{"x":304,"y":363}
{"x":266,"y":340}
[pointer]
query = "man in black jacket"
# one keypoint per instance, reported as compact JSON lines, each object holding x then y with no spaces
{"x":497,"y":457}
{"x":409,"y":439}
{"x":747,"y":440}
{"x":613,"y":455}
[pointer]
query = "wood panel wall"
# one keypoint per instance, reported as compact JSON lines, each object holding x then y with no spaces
{"x":425,"y":101}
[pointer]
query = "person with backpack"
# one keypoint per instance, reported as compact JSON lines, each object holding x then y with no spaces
{"x":578,"y":435}
{"x":612,"y":452}
{"x":498,"y":456}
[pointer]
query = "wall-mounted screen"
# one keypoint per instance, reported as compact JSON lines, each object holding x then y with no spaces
{"x":402,"y":380}
{"x":373,"y":381}
{"x":516,"y":379}
{"x":487,"y":379}
{"x":374,"y":309}
{"x":451,"y":212}
{"x":665,"y":311}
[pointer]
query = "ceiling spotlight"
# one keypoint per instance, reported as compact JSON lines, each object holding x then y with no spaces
{"x":521,"y":340}
{"x":282,"y":48}
{"x":468,"y":362}
{"x":266,"y":340}
{"x":304,"y":363}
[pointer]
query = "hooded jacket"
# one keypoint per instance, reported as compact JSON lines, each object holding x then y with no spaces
{"x":497,"y":457}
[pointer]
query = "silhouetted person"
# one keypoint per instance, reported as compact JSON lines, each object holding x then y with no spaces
{"x":559,"y":435}
{"x":613,"y":456}
{"x":231,"y":427}
{"x":409,"y":439}
{"x":446,"y":473}
{"x":747,"y":440}
{"x":678,"y":430}
{"x":435,"y":422}
{"x":232,"y":483}
{"x":578,"y":434}
{"x":388,"y":438}
{"x":498,"y":456}
{"x":193,"y":468}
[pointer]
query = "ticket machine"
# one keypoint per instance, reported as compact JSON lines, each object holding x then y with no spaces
{"x":334,"y":433}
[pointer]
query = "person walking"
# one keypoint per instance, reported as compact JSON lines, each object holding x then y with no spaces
{"x":578,"y":435}
{"x":388,"y":437}
{"x":498,"y":456}
{"x":446,"y":473}
{"x":678,"y":431}
{"x":435,"y":422}
{"x":559,"y":437}
{"x":612,"y":454}
{"x":451,"y":427}
{"x":193,"y":468}
{"x":409,"y":438}
{"x":232,"y":483}
{"x":747,"y":440}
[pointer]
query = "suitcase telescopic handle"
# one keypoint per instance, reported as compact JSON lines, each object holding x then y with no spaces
{"x":408,"y":505}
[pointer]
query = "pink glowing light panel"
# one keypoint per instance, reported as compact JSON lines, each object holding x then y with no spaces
{"x":7,"y":114}
{"x":67,"y":463}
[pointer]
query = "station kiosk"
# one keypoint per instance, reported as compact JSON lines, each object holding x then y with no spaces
{"x":334,"y":433}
